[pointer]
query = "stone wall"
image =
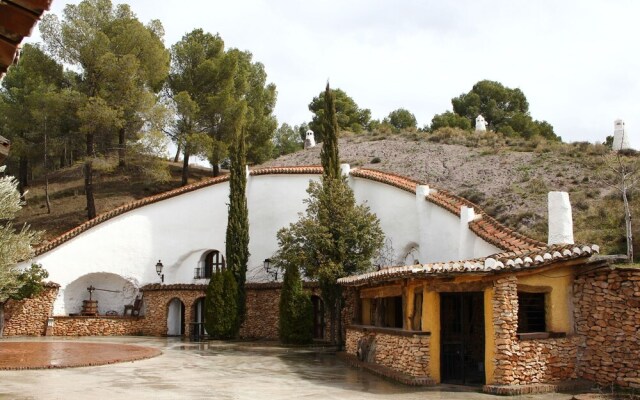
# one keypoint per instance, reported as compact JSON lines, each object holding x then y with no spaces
{"x":29,"y":317}
{"x":156,"y":301}
{"x":607,"y":314}
{"x":97,"y":326}
{"x":401,"y":351}
{"x":525,"y":362}
{"x":263,"y":314}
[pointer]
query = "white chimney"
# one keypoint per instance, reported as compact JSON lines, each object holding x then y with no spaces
{"x":620,"y":136}
{"x":560,"y":219}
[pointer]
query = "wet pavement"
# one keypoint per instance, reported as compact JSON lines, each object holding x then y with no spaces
{"x":38,"y":355}
{"x":217,"y":370}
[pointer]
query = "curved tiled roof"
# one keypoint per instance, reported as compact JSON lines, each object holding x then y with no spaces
{"x":497,"y":263}
{"x":484,"y":226}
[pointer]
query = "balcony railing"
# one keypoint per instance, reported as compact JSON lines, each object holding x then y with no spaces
{"x":198,"y":273}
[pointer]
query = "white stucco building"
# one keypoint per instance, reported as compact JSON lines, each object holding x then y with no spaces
{"x":117,"y":251}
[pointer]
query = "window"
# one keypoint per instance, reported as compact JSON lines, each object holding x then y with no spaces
{"x":531,"y":312}
{"x":387,"y":312}
{"x":213,"y":261}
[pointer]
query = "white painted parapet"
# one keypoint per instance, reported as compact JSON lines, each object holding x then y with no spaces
{"x":560,"y":218}
{"x":467,"y":237}
{"x":422,"y":191}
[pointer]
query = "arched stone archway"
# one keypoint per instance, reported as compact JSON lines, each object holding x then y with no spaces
{"x":112,"y":292}
{"x":175,"y":317}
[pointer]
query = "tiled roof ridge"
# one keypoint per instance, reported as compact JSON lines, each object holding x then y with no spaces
{"x":398,"y":181}
{"x":485,"y":226}
{"x":496,"y":263}
{"x":163,"y":196}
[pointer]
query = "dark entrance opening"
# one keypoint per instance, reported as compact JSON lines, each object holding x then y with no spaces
{"x":462,"y":338}
{"x":318,"y":317}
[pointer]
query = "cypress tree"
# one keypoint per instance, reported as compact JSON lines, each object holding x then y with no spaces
{"x":329,"y":153}
{"x":237,"y":236}
{"x":221,"y":306}
{"x":296,"y":310}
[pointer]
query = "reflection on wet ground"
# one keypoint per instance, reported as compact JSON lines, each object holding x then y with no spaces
{"x":221,"y":371}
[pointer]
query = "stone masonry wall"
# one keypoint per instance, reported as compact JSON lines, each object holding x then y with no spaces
{"x":263,"y":315}
{"x":607,"y":314}
{"x":408,"y":354}
{"x":100,"y":326}
{"x":527,"y":361}
{"x":29,"y":317}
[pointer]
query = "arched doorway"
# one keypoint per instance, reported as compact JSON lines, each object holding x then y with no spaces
{"x":197,"y":325}
{"x":175,"y":318}
{"x":318,"y":317}
{"x":210,"y":262}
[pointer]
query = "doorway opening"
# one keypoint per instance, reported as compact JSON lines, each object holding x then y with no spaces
{"x":462,"y":338}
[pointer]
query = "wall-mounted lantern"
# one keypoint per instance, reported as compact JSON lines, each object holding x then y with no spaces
{"x":271,"y":271}
{"x":159,"y":267}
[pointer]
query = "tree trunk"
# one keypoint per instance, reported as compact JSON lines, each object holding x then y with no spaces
{"x":1,"y":319}
{"x":339,"y":321}
{"x":216,"y":169}
{"x":46,"y":171}
{"x":627,"y":220}
{"x":121,"y":148}
{"x":88,"y":179}
{"x":177,"y":157}
{"x":185,"y":167}
{"x":23,"y":176}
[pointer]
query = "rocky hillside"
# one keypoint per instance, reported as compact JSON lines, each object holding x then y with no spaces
{"x":508,"y":179}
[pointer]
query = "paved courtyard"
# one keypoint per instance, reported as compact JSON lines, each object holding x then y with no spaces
{"x":217,"y":370}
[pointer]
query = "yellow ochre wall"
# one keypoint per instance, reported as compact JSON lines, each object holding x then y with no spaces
{"x":558,"y":285}
{"x":431,"y":323}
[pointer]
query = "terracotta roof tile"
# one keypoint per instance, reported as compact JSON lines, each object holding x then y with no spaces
{"x":484,"y":226}
{"x":497,"y":263}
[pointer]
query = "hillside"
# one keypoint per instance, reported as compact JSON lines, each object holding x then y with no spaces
{"x":508,"y":179}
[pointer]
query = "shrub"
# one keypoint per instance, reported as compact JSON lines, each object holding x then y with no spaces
{"x":221,"y":306}
{"x":376,"y":160}
{"x":296,"y":310}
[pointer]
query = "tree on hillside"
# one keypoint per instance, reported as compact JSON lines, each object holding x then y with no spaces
{"x":29,"y":90}
{"x":216,"y":81}
{"x":348,"y":115}
{"x":15,"y":245}
{"x":121,"y":63}
{"x":449,"y":119}
{"x":286,"y":140}
{"x":335,"y":237}
{"x":401,"y":119}
{"x":237,"y":235}
{"x":506,"y":110}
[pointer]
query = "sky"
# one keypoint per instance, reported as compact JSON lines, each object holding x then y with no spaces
{"x":577,"y":62}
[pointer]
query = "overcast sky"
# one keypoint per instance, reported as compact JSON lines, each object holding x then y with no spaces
{"x":578,"y":62}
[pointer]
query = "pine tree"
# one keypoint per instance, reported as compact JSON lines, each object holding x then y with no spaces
{"x":296,"y":310}
{"x":237,"y":237}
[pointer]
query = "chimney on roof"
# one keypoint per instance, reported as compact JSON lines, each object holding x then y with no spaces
{"x":560,"y":219}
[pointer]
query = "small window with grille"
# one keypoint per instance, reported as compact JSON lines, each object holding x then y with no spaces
{"x":531,"y":312}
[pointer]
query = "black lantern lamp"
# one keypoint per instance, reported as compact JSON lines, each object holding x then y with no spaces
{"x":271,"y":271}
{"x":159,"y":267}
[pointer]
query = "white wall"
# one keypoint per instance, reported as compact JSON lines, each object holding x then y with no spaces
{"x":181,"y":229}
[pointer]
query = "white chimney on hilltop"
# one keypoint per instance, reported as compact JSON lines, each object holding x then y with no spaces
{"x":560,"y":219}
{"x":620,"y":136}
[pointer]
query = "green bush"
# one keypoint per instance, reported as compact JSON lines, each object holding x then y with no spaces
{"x":221,"y":306}
{"x":296,"y":310}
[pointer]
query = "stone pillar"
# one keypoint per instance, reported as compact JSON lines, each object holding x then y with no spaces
{"x":505,"y":326}
{"x":560,"y":219}
{"x":620,"y":136}
{"x":466,"y":244}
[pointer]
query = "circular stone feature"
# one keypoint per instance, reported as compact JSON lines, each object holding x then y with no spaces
{"x":39,"y":355}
